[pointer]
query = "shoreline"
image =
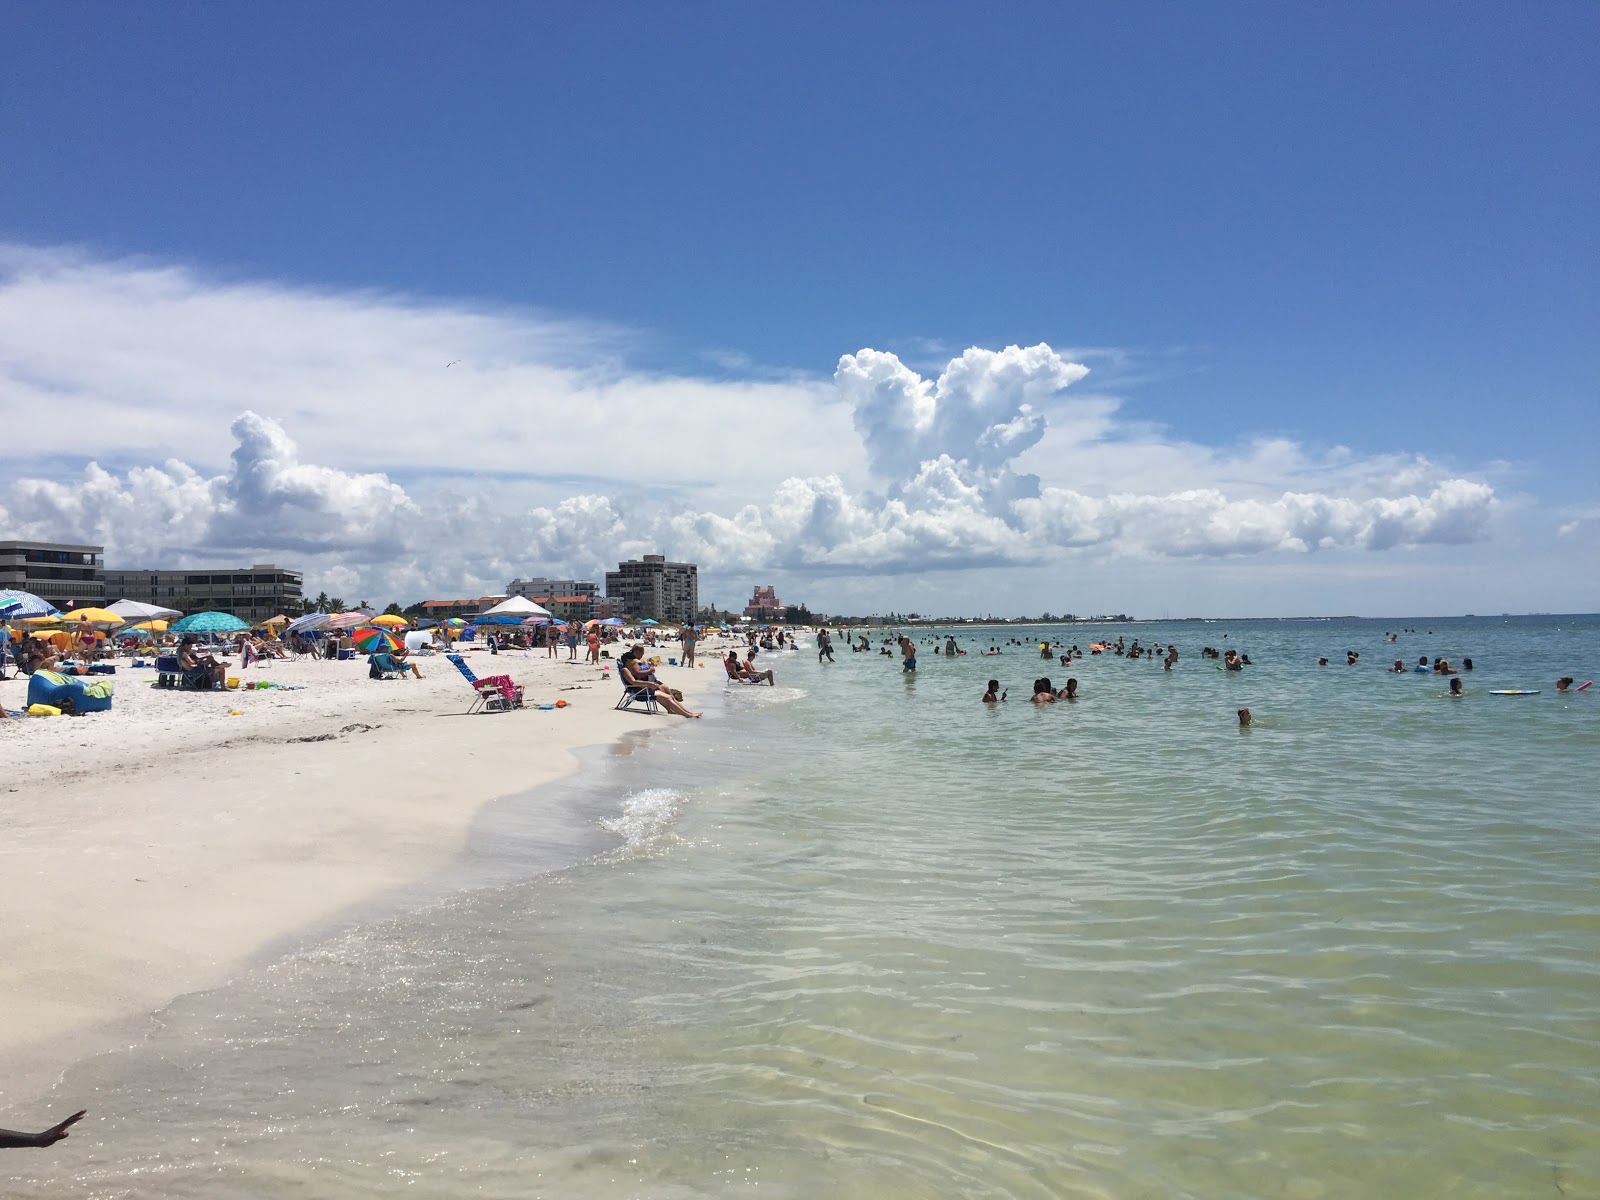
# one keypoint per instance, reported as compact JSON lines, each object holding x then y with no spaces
{"x":160,"y":848}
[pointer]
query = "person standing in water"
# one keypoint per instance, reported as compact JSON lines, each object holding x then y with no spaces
{"x":991,"y":696}
{"x":908,"y":652}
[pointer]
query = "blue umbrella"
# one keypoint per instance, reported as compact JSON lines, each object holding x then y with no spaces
{"x":209,"y":622}
{"x":618,"y":621}
{"x":18,"y":606}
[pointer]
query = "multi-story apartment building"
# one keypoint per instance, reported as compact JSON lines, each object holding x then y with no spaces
{"x":440,"y":610}
{"x":540,"y":586}
{"x":249,"y":593}
{"x":654,"y":587}
{"x":54,"y":571}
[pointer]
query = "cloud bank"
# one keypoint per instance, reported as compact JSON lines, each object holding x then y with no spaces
{"x":386,"y":472}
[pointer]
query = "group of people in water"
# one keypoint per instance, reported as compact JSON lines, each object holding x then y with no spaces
{"x":1044,"y":692}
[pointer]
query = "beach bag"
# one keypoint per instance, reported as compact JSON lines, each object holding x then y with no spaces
{"x":43,"y":710}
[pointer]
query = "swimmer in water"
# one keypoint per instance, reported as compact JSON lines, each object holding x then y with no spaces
{"x":1399,"y":668}
{"x":990,"y":697}
{"x":1244,"y":718}
{"x":1070,"y":692}
{"x":1042,"y":693}
{"x":1455,"y":687}
{"x":1564,"y":684}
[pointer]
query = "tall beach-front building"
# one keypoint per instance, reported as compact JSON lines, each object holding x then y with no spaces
{"x":55,"y":571}
{"x":249,"y":593}
{"x":653,"y":587}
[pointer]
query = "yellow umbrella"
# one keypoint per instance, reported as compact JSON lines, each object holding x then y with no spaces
{"x":393,"y":620}
{"x":151,"y":626}
{"x":90,"y":616}
{"x":280,"y":619}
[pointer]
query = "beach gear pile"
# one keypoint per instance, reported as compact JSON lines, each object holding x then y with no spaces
{"x":51,"y":693}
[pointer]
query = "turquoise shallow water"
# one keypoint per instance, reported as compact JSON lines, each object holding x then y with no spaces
{"x":859,"y":935}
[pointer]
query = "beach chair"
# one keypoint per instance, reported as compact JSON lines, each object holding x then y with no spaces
{"x":383,"y":666}
{"x":633,"y":693}
{"x":495,"y":693}
{"x":170,"y":674}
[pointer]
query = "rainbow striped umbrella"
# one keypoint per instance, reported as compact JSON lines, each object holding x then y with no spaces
{"x":373,"y":640}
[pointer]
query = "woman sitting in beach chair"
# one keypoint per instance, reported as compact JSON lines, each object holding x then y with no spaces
{"x":636,"y":685}
{"x":200,"y":670}
{"x":390,"y":665}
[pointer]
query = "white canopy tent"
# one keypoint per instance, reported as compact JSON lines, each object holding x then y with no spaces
{"x":516,"y":606}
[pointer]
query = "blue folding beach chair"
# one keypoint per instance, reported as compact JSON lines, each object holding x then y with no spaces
{"x":633,"y":694}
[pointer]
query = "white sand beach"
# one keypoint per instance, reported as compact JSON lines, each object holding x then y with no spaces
{"x":151,"y":850}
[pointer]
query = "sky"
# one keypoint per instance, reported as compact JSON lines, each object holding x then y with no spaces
{"x":1207,"y":310}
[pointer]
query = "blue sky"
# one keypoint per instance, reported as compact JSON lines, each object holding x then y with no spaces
{"x":1368,"y":227}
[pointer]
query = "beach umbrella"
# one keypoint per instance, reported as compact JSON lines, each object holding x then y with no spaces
{"x":307,"y":623}
{"x":391,"y":621}
{"x":280,"y":619}
{"x":536,"y":620}
{"x":134,"y":611}
{"x":209,"y":622}
{"x":456,"y":622}
{"x":372,"y":640}
{"x":101,"y":618}
{"x":348,"y":620}
{"x":18,"y":605}
{"x":649,"y":621}
{"x":612,"y":621}
{"x":147,"y":627}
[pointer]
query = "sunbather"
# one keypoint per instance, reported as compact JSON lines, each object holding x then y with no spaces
{"x":663,"y":694}
{"x":198,"y":668}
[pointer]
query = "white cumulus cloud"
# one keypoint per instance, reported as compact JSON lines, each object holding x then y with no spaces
{"x":358,"y":454}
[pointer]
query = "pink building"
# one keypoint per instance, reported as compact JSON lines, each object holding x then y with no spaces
{"x":764,"y":605}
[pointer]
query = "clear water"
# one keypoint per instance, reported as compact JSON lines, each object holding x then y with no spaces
{"x":861,"y":936}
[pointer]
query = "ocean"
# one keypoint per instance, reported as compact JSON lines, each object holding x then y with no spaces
{"x":859,"y":935}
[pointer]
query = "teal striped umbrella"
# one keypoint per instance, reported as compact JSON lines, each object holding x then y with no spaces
{"x":209,"y":622}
